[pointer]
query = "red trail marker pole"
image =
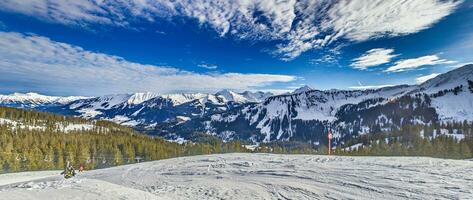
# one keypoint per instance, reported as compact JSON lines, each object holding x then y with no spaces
{"x":329,"y":142}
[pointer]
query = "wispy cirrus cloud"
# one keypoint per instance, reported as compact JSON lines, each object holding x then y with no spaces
{"x":43,"y":65}
{"x":425,"y":78}
{"x":415,"y":63}
{"x":207,"y":66}
{"x":298,"y":26}
{"x":324,"y":59}
{"x":373,"y":57}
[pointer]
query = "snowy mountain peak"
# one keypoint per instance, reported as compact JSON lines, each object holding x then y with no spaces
{"x":302,"y":89}
{"x":30,"y":96}
{"x":35,"y":98}
{"x":229,"y":95}
{"x":181,"y":98}
{"x":141,"y":97}
{"x":449,"y":80}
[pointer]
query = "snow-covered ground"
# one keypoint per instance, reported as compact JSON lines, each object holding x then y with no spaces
{"x":256,"y":176}
{"x":60,"y":127}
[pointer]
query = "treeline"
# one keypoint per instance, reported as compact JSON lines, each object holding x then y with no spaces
{"x":442,"y":140}
{"x":455,"y":142}
{"x":107,"y":144}
{"x":470,"y":86}
{"x":290,"y":147}
{"x":32,"y":117}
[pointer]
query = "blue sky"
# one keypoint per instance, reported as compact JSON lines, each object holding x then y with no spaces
{"x":95,"y":48}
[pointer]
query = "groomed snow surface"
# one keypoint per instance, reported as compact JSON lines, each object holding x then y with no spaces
{"x":255,"y":176}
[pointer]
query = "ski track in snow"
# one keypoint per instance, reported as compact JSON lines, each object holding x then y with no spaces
{"x":256,"y":176}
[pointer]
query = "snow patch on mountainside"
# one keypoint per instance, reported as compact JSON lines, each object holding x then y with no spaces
{"x":76,"y":127}
{"x":37,"y":126}
{"x":445,"y":132}
{"x":89,"y":113}
{"x":18,"y":124}
{"x":124,"y":120}
{"x":452,"y":107}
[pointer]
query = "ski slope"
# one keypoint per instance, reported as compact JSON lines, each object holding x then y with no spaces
{"x":255,"y":176}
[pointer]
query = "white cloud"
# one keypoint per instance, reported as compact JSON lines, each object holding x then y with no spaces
{"x":66,"y":12}
{"x":324,"y":22}
{"x":414,"y":63}
{"x":160,"y":32}
{"x":373,"y":57}
{"x":39,"y":63}
{"x":328,"y":58}
{"x":298,"y":26}
{"x":367,"y":87}
{"x":366,"y":19}
{"x":207,"y":66}
{"x":422,"y":79}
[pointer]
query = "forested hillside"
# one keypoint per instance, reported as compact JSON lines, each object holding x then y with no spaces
{"x":442,"y":140}
{"x":33,"y":140}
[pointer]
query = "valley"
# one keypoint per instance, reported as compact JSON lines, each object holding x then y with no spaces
{"x":262,"y":117}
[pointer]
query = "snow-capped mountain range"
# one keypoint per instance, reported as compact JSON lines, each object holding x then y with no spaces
{"x":144,"y":109}
{"x":303,"y":115}
{"x":306,"y":114}
{"x":31,"y":100}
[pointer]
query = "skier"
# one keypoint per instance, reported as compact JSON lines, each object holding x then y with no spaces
{"x":69,"y":171}
{"x":81,"y":168}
